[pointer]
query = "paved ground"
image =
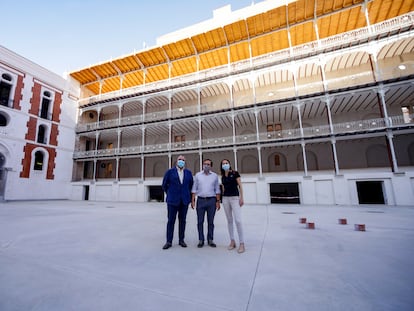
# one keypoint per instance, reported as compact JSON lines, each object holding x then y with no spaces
{"x":66,"y":255}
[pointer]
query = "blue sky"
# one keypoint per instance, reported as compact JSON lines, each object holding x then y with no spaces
{"x":66,"y":35}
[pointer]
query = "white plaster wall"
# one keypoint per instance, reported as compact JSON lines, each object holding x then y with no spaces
{"x":321,"y":188}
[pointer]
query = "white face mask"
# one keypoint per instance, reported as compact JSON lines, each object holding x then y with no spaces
{"x":225,"y":166}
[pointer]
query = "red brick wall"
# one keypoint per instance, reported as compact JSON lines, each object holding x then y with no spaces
{"x":26,"y":162}
{"x":54,"y":132}
{"x":56,"y":107}
{"x":51,"y":165}
{"x":35,"y":100}
{"x":18,"y":93}
{"x":31,"y":129}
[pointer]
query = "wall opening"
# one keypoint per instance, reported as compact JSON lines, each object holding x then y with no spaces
{"x":86,"y":193}
{"x":370,"y":192}
{"x":284,"y":193}
{"x":156,"y":194}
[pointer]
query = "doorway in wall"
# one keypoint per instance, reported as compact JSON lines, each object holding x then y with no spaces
{"x":370,"y":192}
{"x":156,"y":194}
{"x":284,"y":193}
{"x":86,"y":193}
{"x":3,"y":176}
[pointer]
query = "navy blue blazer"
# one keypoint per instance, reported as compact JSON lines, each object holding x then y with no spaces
{"x":177,"y":192}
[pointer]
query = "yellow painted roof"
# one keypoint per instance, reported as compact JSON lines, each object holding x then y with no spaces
{"x":261,"y":34}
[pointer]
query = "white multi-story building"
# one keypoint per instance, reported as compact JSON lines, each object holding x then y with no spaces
{"x":311,"y":100}
{"x":38,"y":112}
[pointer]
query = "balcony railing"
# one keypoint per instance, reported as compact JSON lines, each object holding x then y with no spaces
{"x":358,"y":35}
{"x":345,"y":128}
{"x":139,"y":119}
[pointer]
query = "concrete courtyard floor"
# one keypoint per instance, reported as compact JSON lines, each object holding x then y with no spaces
{"x":83,"y":255}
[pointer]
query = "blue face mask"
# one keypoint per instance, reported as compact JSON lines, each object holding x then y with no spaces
{"x":180,"y":163}
{"x":225,"y":166}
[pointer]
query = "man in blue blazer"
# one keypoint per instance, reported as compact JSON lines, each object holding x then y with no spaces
{"x":177,"y":184}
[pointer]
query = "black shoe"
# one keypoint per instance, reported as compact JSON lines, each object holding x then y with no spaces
{"x":167,"y":245}
{"x":182,"y":243}
{"x":200,"y":244}
{"x":212,"y":244}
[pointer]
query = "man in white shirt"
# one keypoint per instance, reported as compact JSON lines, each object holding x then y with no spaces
{"x":206,"y":188}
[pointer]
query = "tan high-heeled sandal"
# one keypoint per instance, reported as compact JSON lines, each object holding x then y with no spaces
{"x":232,"y":245}
{"x":241,"y":248}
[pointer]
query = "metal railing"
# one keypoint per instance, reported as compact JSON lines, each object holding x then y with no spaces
{"x":344,"y":128}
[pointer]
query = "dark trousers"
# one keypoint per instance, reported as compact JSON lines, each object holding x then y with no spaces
{"x":173,"y":210}
{"x":206,"y":206}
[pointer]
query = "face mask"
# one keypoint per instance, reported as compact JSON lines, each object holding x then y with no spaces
{"x":225,"y":166}
{"x":180,"y":163}
{"x":206,"y":168}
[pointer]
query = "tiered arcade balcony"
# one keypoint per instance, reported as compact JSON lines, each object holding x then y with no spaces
{"x":339,"y":129}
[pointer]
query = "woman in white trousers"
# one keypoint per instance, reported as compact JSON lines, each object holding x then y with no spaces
{"x":232,"y":199}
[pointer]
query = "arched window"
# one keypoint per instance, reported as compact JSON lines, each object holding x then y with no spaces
{"x":38,"y":161}
{"x":46,"y":100}
{"x":41,"y":134}
{"x":5,"y":89}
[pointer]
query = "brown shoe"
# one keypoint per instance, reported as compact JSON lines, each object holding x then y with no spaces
{"x":241,"y":248}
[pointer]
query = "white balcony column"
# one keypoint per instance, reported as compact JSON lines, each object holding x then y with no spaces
{"x":364,"y":8}
{"x":252,"y":79}
{"x":335,"y":155}
{"x":327,"y":101}
{"x":143,"y":138}
{"x":200,"y":133}
{"x":390,"y":145}
{"x":96,"y":142}
{"x":101,"y":83}
{"x":235,"y":159}
{"x":144,"y":76}
{"x":305,"y":162}
{"x":200,"y":158}
{"x":117,"y":168}
{"x":259,"y":155}
{"x":198,"y":97}
{"x":322,"y":64}
{"x":119,"y":113}
{"x":256,"y":113}
{"x":298,"y":106}
{"x":230,"y":86}
{"x":170,"y":104}
{"x":315,"y":27}
{"x":170,"y":164}
{"x":169,"y":135}
{"x":373,"y":49}
{"x":293,"y":68}
{"x":98,"y":117}
{"x":119,"y":134}
{"x":144,"y":102}
{"x":95,"y":161}
{"x":142,"y":167}
{"x":121,"y":82}
{"x":233,"y":125}
{"x":383,"y":108}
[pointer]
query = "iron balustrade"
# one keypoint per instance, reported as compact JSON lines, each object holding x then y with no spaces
{"x":348,"y":127}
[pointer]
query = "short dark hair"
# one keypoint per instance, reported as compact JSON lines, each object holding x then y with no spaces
{"x":211,"y":162}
